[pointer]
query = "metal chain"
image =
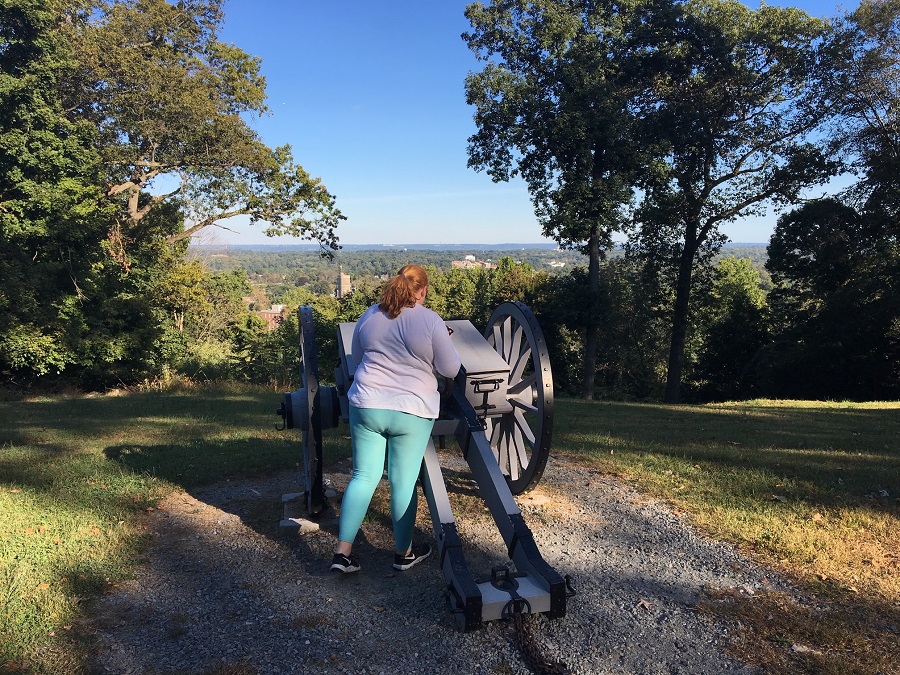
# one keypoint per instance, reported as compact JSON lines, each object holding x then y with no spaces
{"x":534,"y":658}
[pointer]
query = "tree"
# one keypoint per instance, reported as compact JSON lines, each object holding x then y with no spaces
{"x":813,"y":252}
{"x":555,"y":104}
{"x":837,"y":305}
{"x":119,"y":119}
{"x":50,"y":230}
{"x":736,"y":317}
{"x":836,"y":261}
{"x":866,"y":86}
{"x":738,"y":111}
{"x":202,"y":310}
{"x":170,"y":102}
{"x":452,"y":293}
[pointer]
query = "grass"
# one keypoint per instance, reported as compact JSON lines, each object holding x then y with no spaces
{"x":809,"y":488}
{"x":77,"y":477}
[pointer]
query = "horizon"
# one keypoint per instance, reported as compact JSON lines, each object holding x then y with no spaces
{"x":505,"y":246}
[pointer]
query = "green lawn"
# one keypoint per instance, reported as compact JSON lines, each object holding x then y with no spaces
{"x":817,"y":484}
{"x":811,"y":488}
{"x":77,"y":475}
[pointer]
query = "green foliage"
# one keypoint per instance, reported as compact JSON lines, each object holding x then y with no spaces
{"x":631,"y":336}
{"x":171,"y":103}
{"x":836,"y":305}
{"x":278,"y":352}
{"x":101,"y":104}
{"x":556,"y":103}
{"x":738,"y":111}
{"x":273,"y":265}
{"x":707,"y":107}
{"x":866,"y":50}
{"x":245,"y":360}
{"x":631,"y":316}
{"x":835,"y":261}
{"x":813,"y":253}
{"x":737,"y":327}
{"x":125,"y":128}
{"x":452,"y":294}
{"x":51,"y":232}
{"x":203,"y":312}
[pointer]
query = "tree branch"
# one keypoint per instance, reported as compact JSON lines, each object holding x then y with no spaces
{"x":206,"y":222}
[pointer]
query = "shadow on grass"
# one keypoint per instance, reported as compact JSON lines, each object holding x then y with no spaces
{"x":827,"y":455}
{"x":113,"y":455}
{"x":820,"y":633}
{"x":192,"y":463}
{"x":100,"y":416}
{"x":188,"y":439}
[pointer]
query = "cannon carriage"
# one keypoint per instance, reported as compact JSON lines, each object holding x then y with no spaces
{"x":500,"y":410}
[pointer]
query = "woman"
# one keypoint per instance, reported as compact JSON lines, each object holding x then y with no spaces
{"x":394,"y":401}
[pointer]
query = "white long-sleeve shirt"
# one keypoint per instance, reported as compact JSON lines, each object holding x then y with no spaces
{"x":398,"y":358}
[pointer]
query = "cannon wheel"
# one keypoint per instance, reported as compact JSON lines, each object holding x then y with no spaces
{"x":312,"y":436}
{"x":521,"y":439}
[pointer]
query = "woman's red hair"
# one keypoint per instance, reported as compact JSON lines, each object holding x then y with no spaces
{"x":403,"y":290}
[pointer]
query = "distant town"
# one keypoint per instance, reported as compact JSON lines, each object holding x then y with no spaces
{"x":273,"y":267}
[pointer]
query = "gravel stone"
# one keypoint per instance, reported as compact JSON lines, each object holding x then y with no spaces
{"x":220,"y":591}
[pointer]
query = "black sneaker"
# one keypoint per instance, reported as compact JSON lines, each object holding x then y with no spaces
{"x":344,"y":563}
{"x":416,"y":555}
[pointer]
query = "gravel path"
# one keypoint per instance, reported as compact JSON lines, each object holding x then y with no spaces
{"x":220,"y":593}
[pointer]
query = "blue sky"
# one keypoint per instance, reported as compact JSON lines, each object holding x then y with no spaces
{"x":370,"y":95}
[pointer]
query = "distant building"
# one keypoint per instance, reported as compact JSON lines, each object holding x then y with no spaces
{"x":556,"y":263}
{"x":344,"y":287}
{"x":273,"y":316}
{"x":468,"y":264}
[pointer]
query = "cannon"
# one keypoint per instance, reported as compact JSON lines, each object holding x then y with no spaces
{"x":500,"y":410}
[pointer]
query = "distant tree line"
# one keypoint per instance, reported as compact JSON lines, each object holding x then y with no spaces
{"x":275,"y":272}
{"x":376,"y":262}
{"x":124,"y":131}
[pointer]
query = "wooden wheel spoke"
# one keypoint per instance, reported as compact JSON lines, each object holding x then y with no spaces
{"x":506,"y":464}
{"x":518,"y":368}
{"x":490,"y":429}
{"x":528,"y":407}
{"x":515,"y":467}
{"x":511,"y":454}
{"x":515,"y":342}
{"x":526,"y":384}
{"x":490,"y":432}
{"x":524,"y":458}
{"x":501,"y":333}
{"x":522,"y":425}
{"x":495,"y":339}
{"x":507,"y":339}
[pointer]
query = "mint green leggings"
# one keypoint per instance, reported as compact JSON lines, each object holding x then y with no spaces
{"x":403,"y":437}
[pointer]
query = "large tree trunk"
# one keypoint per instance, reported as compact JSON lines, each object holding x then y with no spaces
{"x":680,"y":317}
{"x":591,"y":338}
